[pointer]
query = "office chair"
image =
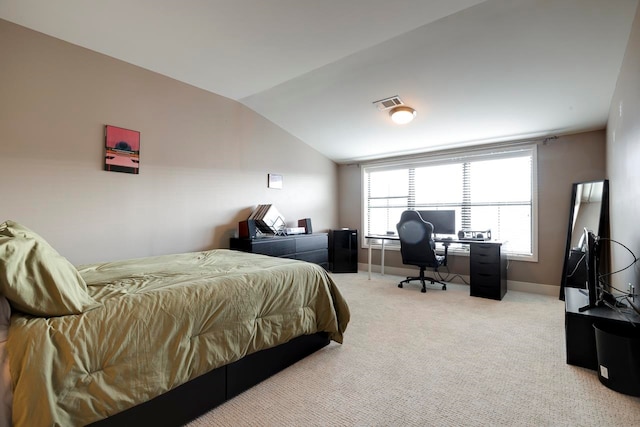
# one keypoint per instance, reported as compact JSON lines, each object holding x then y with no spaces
{"x":418,"y":247}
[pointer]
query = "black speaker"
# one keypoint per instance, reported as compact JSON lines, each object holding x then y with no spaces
{"x":306,"y":223}
{"x":247,"y":229}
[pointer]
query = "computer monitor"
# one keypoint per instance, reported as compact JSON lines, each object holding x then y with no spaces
{"x":444,"y":221}
{"x":591,"y":257}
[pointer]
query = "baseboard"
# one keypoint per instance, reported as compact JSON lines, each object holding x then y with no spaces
{"x":533,"y":288}
{"x":512,"y":285}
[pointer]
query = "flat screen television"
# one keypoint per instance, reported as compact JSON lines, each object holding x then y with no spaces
{"x":591,"y":259}
{"x":444,"y":221}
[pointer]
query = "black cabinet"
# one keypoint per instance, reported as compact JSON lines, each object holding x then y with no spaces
{"x":306,"y":247}
{"x":344,"y":251}
{"x":488,"y":270}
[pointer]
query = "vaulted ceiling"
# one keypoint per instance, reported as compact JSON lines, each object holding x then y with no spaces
{"x":475,"y":71}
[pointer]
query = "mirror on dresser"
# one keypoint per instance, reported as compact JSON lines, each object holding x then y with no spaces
{"x":590,"y":210}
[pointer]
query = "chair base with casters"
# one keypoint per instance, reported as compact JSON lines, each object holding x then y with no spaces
{"x":423,"y":279}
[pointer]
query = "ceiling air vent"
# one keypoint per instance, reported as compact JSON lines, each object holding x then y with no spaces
{"x":387,"y":103}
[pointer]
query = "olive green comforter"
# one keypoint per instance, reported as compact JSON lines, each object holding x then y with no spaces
{"x":162,"y":321}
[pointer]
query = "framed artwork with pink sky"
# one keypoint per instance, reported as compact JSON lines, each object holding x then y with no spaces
{"x":122,"y":150}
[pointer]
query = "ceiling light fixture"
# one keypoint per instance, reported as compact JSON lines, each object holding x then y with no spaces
{"x":402,"y":115}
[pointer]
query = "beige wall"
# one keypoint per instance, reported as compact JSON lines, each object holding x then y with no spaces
{"x":204,"y":158}
{"x":561,"y":162}
{"x":623,"y":163}
{"x":204,"y":161}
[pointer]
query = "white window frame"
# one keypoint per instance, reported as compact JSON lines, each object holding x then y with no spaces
{"x":451,"y":157}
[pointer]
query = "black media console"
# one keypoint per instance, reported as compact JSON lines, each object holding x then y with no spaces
{"x":579,"y":330}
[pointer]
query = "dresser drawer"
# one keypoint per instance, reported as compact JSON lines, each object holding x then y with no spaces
{"x":274,"y":247}
{"x":318,"y":257}
{"x":312,"y":242}
{"x":307,"y":247}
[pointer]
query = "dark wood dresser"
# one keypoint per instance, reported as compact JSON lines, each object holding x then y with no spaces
{"x":307,"y":247}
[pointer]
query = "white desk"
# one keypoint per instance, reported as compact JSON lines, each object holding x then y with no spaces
{"x":488,"y":270}
{"x":383,"y":238}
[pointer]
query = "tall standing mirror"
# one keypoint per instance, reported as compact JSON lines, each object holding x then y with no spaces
{"x":590,"y":210}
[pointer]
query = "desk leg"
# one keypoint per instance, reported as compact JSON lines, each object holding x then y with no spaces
{"x":369,"y":259}
{"x":382,"y":259}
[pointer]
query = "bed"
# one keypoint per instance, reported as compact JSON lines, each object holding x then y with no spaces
{"x":168,"y":336}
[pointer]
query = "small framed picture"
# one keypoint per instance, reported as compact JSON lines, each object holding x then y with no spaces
{"x":122,"y":150}
{"x":275,"y":181}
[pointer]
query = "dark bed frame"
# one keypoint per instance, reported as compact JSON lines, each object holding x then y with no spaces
{"x":194,"y":398}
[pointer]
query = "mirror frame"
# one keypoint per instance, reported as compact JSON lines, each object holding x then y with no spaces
{"x":602,"y":231}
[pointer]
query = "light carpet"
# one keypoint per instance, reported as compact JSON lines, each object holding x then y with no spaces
{"x":442,"y":358}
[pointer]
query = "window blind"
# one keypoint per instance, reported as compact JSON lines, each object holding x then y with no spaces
{"x":493,"y":190}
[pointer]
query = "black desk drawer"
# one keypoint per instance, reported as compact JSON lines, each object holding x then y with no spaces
{"x":486,"y":279}
{"x":486,"y":252}
{"x":491,"y":292}
{"x":484,"y":268}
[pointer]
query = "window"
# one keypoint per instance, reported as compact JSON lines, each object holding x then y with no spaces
{"x":489,"y":190}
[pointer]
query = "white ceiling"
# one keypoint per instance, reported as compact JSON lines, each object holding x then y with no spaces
{"x":476,"y":71}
